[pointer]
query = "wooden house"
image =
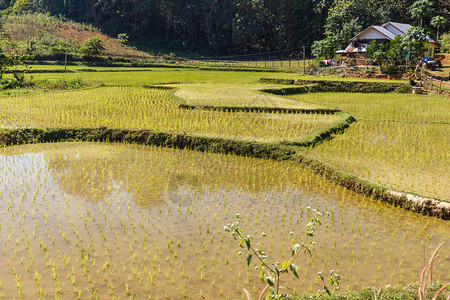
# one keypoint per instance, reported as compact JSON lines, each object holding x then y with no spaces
{"x":382,"y":34}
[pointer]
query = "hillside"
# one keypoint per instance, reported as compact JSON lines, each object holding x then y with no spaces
{"x":46,"y":36}
{"x":213,"y":28}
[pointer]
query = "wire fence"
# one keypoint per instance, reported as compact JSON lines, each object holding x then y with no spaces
{"x":433,"y":84}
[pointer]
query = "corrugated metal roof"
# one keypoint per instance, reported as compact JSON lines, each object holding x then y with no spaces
{"x":385,"y":31}
{"x":400,"y":26}
{"x":404,"y":28}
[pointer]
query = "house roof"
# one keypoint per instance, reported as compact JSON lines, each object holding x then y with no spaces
{"x":383,"y":31}
{"x":402,"y":27}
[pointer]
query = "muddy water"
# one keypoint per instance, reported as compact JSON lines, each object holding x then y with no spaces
{"x":87,"y":220}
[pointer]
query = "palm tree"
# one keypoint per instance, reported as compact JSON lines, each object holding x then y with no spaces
{"x":437,"y":22}
{"x":421,"y":9}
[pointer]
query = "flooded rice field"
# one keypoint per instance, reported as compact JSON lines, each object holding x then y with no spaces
{"x":115,"y":221}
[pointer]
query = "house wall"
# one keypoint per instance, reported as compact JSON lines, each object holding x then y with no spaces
{"x":371,"y":34}
{"x":431,"y":49}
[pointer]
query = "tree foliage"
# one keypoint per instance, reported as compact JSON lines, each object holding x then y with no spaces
{"x":234,"y":26}
{"x":445,"y":43}
{"x":219,"y":26}
{"x":93,"y":46}
{"x":390,"y":56}
{"x":346,"y":18}
{"x":17,"y":64}
{"x":21,"y":6}
{"x":421,"y":9}
{"x":413,"y":42}
{"x":437,"y":22}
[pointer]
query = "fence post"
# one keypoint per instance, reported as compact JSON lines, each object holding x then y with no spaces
{"x":440,"y":86}
{"x":431,"y":83}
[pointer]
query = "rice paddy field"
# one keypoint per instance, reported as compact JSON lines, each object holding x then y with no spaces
{"x":90,"y":220}
{"x":144,"y":108}
{"x":236,"y":95}
{"x":97,"y":220}
{"x":406,"y":137}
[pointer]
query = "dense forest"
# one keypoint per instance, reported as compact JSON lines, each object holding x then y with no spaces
{"x":232,"y":26}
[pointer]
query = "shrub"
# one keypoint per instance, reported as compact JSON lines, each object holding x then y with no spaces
{"x":93,"y":46}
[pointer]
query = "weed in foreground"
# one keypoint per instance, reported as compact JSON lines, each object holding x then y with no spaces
{"x":271,"y":273}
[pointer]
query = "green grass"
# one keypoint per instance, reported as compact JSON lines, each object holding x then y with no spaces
{"x":167,"y":75}
{"x":398,"y":292}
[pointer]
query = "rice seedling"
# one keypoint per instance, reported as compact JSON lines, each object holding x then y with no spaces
{"x":401,"y":141}
{"x":220,"y":94}
{"x":153,"y":222}
{"x":271,"y":273}
{"x":151,"y":109}
{"x":142,"y":222}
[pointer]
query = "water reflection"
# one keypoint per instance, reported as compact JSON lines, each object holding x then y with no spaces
{"x":134,"y":220}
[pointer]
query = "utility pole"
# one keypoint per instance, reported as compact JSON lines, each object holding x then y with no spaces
{"x":304,"y":60}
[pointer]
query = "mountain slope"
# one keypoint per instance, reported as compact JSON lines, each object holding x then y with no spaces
{"x":44,"y":35}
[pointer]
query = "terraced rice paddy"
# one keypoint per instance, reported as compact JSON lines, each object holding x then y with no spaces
{"x":150,"y":109}
{"x":236,"y":95}
{"x":119,"y":221}
{"x":147,"y":76}
{"x":400,"y":141}
{"x":100,"y":220}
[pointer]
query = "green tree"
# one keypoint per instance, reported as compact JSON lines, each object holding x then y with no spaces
{"x":123,"y":37}
{"x":445,"y":42}
{"x":377,"y":51}
{"x":21,"y":6}
{"x":413,"y":43}
{"x":421,"y":9}
{"x":325,"y":48}
{"x":4,"y":4}
{"x":93,"y":46}
{"x":389,"y":56}
{"x":17,"y":64}
{"x":438,"y":21}
{"x":346,"y":18}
